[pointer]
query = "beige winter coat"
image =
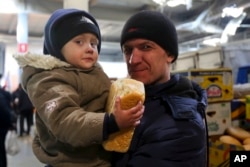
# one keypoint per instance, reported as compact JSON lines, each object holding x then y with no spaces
{"x":70,"y":106}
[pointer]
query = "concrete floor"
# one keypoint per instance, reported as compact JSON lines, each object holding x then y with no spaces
{"x":25,"y":158}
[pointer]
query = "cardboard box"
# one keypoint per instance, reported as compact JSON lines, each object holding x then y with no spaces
{"x":219,"y":153}
{"x":218,"y":117}
{"x":218,"y":82}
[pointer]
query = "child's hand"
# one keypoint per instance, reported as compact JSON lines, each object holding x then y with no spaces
{"x":128,"y":118}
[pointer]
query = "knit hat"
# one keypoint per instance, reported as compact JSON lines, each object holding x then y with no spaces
{"x":154,"y":26}
{"x":65,"y":24}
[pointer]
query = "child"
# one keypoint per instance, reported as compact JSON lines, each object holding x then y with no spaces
{"x":69,"y":91}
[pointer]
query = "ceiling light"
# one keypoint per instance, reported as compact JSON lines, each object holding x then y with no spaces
{"x":211,"y":42}
{"x":232,"y":11}
{"x":8,"y":7}
{"x":231,"y":27}
{"x":173,"y":3}
{"x":160,"y":2}
{"x":233,"y":24}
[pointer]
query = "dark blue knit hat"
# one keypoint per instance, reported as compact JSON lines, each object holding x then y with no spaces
{"x":154,"y":26}
{"x":65,"y":24}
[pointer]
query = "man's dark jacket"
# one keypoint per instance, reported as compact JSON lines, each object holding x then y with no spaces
{"x":172,"y":132}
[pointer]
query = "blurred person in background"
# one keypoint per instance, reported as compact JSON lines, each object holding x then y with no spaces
{"x":24,"y":108}
{"x":6,"y":123}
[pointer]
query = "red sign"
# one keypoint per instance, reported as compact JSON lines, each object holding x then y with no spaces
{"x":22,"y":47}
{"x":214,"y":91}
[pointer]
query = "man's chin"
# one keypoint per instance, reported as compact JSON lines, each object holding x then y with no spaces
{"x":138,"y":78}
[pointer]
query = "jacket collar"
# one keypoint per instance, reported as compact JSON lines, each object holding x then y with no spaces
{"x":46,"y":62}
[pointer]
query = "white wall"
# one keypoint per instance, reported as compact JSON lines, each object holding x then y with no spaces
{"x":115,"y":70}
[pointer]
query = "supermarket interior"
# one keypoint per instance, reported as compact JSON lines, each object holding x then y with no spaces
{"x":213,"y":52}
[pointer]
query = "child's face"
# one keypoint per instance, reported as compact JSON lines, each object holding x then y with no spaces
{"x":81,"y":51}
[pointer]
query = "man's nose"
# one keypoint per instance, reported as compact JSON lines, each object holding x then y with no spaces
{"x":135,"y":57}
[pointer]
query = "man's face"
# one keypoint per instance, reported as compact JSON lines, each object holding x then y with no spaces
{"x":147,"y":61}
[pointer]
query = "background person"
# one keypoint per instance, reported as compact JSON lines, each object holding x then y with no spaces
{"x":172,"y":132}
{"x":25,"y":109}
{"x":6,"y":123}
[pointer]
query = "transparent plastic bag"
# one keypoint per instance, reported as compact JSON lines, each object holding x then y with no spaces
{"x":12,"y":145}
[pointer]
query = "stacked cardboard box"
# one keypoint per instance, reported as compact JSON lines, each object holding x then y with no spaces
{"x":219,"y":153}
{"x":221,"y":111}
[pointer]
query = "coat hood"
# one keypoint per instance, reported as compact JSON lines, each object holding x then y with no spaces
{"x":46,"y":62}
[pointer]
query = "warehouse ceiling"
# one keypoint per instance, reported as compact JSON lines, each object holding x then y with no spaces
{"x":196,"y":21}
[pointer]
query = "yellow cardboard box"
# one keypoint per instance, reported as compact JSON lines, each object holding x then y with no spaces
{"x":218,"y":82}
{"x":218,"y":117}
{"x":219,"y":153}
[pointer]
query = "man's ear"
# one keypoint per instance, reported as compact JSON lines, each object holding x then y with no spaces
{"x":169,"y":58}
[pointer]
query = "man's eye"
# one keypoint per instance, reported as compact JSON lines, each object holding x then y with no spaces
{"x":127,"y":51}
{"x":146,"y":46}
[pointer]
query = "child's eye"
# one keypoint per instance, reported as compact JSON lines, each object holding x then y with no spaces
{"x":79,"y":42}
{"x":94,"y":44}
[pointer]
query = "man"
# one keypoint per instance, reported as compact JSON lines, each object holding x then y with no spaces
{"x":172,"y":131}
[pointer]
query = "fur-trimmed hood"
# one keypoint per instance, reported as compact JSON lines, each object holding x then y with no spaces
{"x":32,"y":64}
{"x":46,"y":62}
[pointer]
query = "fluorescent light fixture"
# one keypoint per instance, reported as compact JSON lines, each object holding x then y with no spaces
{"x":233,"y":24}
{"x":173,"y":3}
{"x":212,"y":41}
{"x":160,"y":2}
{"x":232,"y":11}
{"x":8,"y":6}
